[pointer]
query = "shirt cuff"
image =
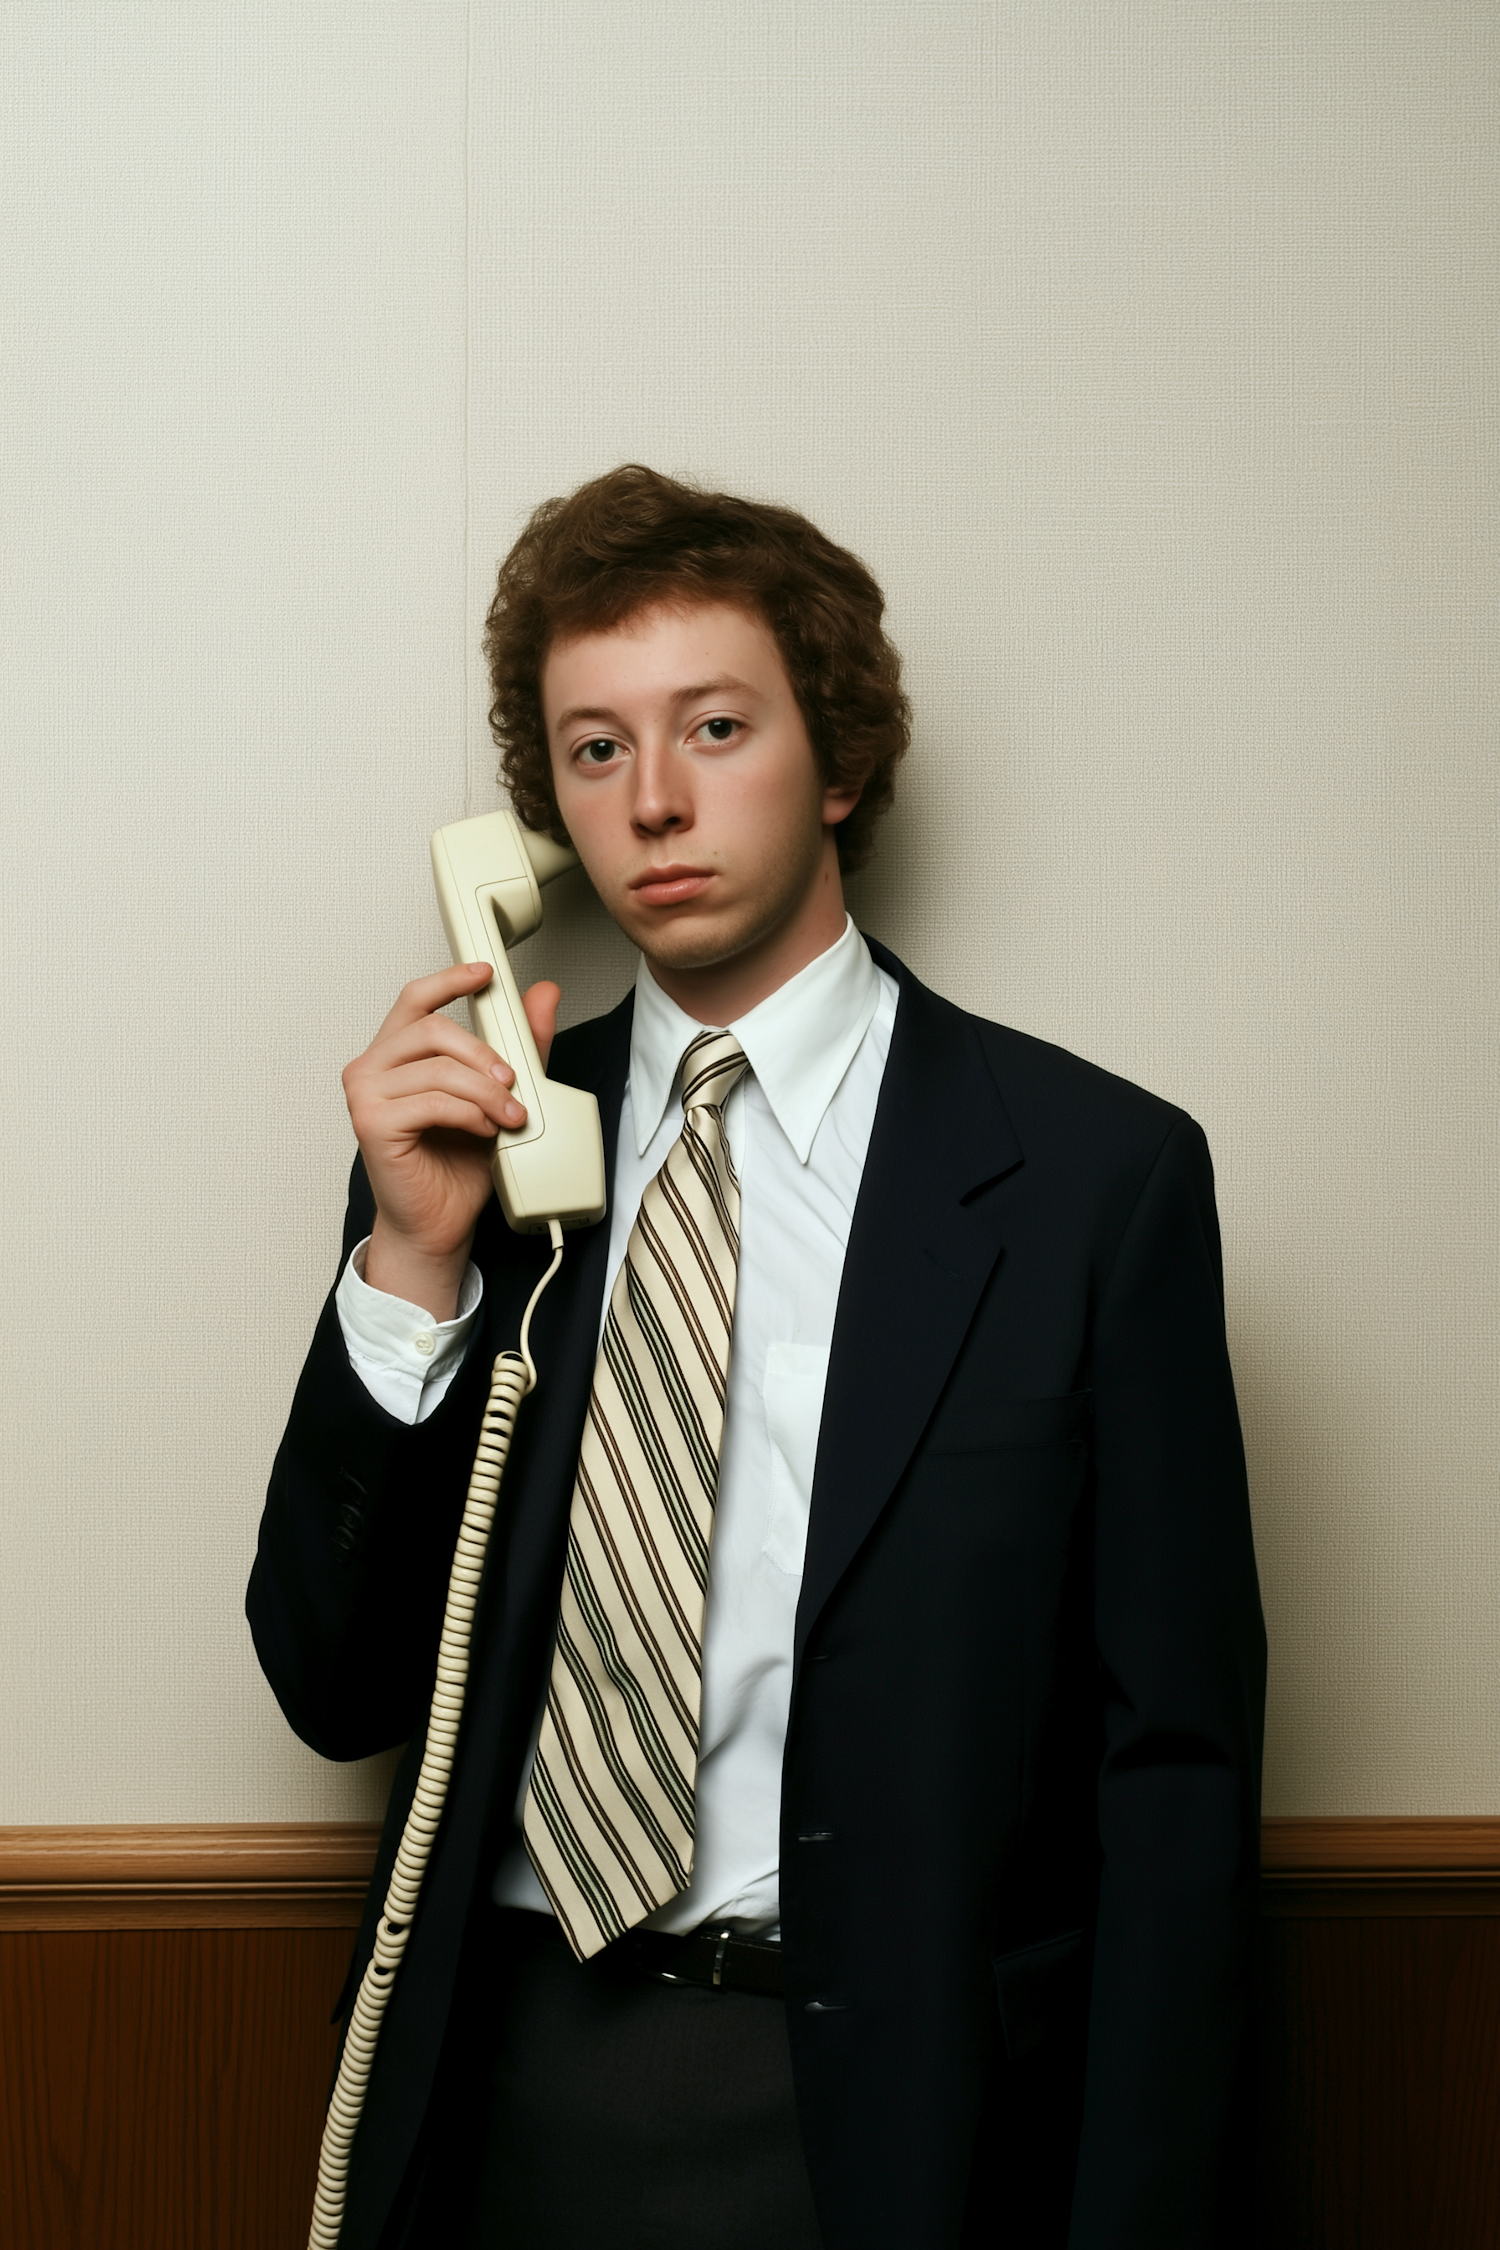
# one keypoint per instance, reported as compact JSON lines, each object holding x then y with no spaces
{"x":405,"y":1359}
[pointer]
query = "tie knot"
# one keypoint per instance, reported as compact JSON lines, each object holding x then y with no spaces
{"x":711,"y":1069}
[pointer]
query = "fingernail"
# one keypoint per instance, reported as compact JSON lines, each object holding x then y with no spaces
{"x":514,"y":1114}
{"x":504,"y":1073}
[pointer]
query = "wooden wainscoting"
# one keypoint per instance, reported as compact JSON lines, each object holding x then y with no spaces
{"x":165,"y":1992}
{"x":164,"y":2020}
{"x":1380,"y":2035}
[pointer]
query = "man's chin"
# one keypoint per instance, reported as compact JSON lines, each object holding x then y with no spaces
{"x":684,"y":941}
{"x":685,"y":949}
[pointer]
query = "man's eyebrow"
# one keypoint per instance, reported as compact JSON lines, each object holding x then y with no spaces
{"x":725,"y":684}
{"x":585,"y":711}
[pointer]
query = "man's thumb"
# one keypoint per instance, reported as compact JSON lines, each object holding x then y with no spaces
{"x":540,"y":1002}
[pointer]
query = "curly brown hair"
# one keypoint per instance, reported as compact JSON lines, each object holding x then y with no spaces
{"x":631,"y":540}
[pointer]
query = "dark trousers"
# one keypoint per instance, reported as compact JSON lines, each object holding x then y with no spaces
{"x":602,"y":2110}
{"x":588,"y":2108}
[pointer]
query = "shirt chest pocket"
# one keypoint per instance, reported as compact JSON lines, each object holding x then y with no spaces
{"x":793,"y":1395}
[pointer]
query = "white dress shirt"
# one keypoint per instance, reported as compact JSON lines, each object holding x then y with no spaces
{"x":799,"y":1124}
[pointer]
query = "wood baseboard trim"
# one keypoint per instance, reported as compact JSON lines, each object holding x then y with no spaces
{"x":302,"y":1875}
{"x":313,"y":1874}
{"x":1380,"y":1865}
{"x":1423,"y":1846}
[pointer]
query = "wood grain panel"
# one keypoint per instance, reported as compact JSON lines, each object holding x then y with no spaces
{"x":163,"y":2089}
{"x":1380,"y":2084}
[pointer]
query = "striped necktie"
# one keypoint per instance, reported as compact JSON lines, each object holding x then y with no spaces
{"x":609,"y":1815}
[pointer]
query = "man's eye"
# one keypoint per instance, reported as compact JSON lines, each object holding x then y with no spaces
{"x":598,"y":752}
{"x":719,"y":730}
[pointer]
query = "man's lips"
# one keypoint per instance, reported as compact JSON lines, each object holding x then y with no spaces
{"x":670,"y":886}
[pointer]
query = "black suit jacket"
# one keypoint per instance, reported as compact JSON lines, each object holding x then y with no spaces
{"x":1019,"y":1796}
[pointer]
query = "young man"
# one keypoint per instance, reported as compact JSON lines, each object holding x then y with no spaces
{"x":853,"y":1835}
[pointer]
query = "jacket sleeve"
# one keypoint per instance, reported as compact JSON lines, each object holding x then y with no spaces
{"x":1181,"y":1649}
{"x":356,"y":1541}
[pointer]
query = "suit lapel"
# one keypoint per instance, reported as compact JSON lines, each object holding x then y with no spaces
{"x":919,"y":1256}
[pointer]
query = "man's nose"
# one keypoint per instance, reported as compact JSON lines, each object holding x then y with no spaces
{"x":662,"y":798}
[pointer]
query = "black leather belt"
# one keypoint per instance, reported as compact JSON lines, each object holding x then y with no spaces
{"x":716,"y":1958}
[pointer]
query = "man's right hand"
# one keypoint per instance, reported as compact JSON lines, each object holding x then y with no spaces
{"x":427,"y":1099}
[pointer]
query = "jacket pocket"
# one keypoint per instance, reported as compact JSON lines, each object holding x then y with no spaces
{"x":1042,"y":1990}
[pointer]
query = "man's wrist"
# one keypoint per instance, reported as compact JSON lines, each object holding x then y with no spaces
{"x":399,"y":1268}
{"x":405,"y":1359}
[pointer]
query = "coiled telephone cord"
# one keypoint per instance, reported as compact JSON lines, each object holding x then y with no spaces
{"x":514,"y":1375}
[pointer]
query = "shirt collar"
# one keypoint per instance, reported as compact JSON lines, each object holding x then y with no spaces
{"x":799,"y":1042}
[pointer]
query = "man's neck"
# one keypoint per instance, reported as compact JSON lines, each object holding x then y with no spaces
{"x":729,"y":988}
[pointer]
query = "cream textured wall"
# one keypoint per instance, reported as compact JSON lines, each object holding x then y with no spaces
{"x":1138,"y":346}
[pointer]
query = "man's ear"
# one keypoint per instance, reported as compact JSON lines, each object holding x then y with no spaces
{"x":838,"y":804}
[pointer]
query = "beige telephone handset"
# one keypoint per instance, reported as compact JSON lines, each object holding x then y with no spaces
{"x":549,"y":1175}
{"x":489,"y":874}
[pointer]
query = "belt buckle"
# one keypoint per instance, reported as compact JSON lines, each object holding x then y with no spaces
{"x":720,"y":1940}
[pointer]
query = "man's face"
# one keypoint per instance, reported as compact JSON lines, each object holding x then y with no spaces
{"x":686,"y":779}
